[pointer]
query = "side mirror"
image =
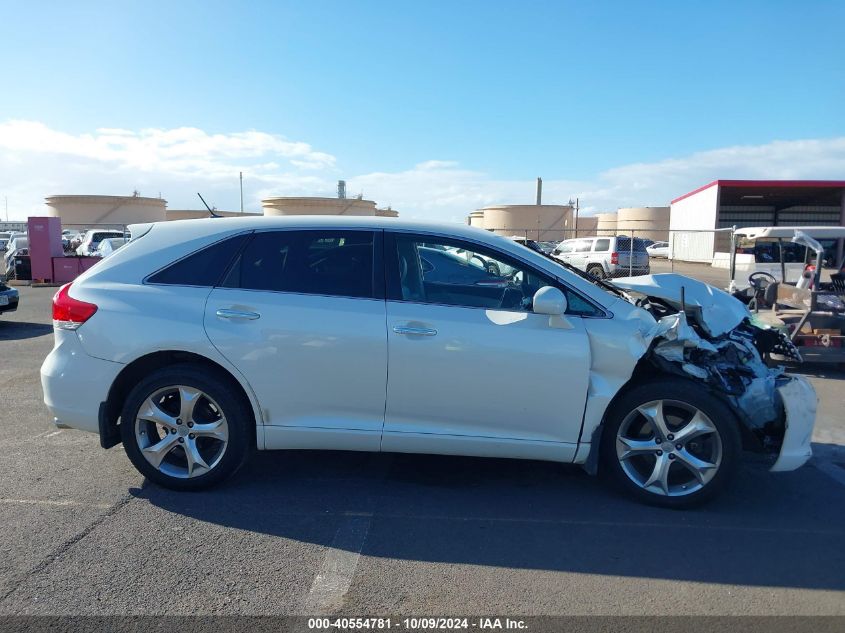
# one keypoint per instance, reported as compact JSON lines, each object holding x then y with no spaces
{"x":549,"y":300}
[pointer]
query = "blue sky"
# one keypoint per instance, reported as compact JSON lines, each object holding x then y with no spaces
{"x":433,"y":107}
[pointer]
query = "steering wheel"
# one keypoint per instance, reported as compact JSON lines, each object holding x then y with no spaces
{"x":761,"y":280}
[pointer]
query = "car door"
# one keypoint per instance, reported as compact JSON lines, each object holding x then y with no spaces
{"x":581,"y":253}
{"x":471,"y":369}
{"x":302,"y":315}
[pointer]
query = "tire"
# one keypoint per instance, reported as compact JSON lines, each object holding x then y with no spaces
{"x":219,"y":427}
{"x":596,"y":271}
{"x":658,"y":472}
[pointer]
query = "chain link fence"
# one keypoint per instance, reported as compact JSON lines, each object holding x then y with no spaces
{"x":78,"y":241}
{"x":614,"y":253}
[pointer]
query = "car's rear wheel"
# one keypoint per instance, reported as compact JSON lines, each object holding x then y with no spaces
{"x":596,"y":271}
{"x":670,"y":443}
{"x":185,"y":428}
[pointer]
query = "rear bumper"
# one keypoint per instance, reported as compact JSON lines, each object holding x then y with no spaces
{"x":75,"y":383}
{"x":624,"y":271}
{"x":799,"y":403}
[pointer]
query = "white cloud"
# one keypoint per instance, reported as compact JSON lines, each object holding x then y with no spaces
{"x":37,"y":161}
{"x":442,"y":189}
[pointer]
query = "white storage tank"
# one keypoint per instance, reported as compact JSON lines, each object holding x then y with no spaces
{"x":541,"y":222}
{"x":645,"y":222}
{"x":318,"y":206}
{"x":476,"y":219}
{"x":86,"y":210}
{"x":587,"y":225}
{"x":605,"y":224}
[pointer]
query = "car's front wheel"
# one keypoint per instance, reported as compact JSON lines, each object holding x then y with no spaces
{"x":670,"y":443}
{"x":184,"y":427}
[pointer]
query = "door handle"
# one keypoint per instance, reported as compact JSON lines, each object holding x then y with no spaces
{"x":414,"y":331}
{"x":237,"y":314}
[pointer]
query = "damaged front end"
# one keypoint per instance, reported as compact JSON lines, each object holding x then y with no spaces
{"x":705,"y":334}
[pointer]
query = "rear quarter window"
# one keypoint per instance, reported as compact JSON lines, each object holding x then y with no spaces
{"x":205,"y":267}
{"x":602,"y":246}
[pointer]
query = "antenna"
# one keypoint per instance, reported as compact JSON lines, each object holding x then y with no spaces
{"x":210,"y":209}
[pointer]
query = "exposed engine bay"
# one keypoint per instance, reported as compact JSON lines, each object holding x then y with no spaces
{"x":705,"y":334}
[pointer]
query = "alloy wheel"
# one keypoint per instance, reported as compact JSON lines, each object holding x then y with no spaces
{"x":181,"y":431}
{"x":669,"y":448}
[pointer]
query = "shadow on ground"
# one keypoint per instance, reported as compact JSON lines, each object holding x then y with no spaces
{"x":19,"y":330}
{"x":767,"y":530}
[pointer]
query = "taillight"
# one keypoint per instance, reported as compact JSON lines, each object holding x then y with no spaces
{"x":614,"y":258}
{"x":70,"y":313}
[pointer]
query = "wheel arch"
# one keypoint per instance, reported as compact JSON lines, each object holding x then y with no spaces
{"x":645,"y":372}
{"x":143,"y":365}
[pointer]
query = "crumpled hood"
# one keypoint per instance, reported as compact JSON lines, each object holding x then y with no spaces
{"x":715,"y":310}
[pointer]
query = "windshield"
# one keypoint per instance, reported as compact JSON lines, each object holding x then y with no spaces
{"x":601,"y":283}
{"x":776,"y":251}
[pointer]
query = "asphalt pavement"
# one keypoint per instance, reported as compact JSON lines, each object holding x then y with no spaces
{"x":368,"y":534}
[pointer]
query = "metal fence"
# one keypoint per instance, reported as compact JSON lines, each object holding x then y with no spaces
{"x":609,"y":253}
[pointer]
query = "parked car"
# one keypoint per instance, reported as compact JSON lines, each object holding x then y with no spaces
{"x":658,"y":249}
{"x":534,"y":245}
{"x":492,"y":266}
{"x":18,"y":245}
{"x":7,"y":237}
{"x":603,"y":257}
{"x":92,"y":239}
{"x":8,"y":298}
{"x":358,"y":334}
{"x":547,"y":247}
{"x":75,"y":240}
{"x":109,"y":245}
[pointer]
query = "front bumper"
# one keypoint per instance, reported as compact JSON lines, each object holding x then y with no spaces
{"x":799,"y":403}
{"x":75,"y":383}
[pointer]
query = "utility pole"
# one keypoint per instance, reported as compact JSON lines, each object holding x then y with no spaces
{"x":6,"y":198}
{"x":242,"y":192}
{"x":539,"y":191}
{"x":577,"y":207}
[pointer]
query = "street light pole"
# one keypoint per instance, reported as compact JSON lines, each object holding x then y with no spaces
{"x":242,"y":192}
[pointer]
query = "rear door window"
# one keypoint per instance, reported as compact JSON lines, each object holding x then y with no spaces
{"x":335,"y":263}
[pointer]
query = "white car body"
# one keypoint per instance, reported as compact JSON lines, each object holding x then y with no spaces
{"x":91,"y":241}
{"x":658,"y":249}
{"x":109,"y":245}
{"x":367,"y":374}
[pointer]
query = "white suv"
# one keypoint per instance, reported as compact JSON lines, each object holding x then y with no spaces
{"x":217,"y":336}
{"x":603,"y":257}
